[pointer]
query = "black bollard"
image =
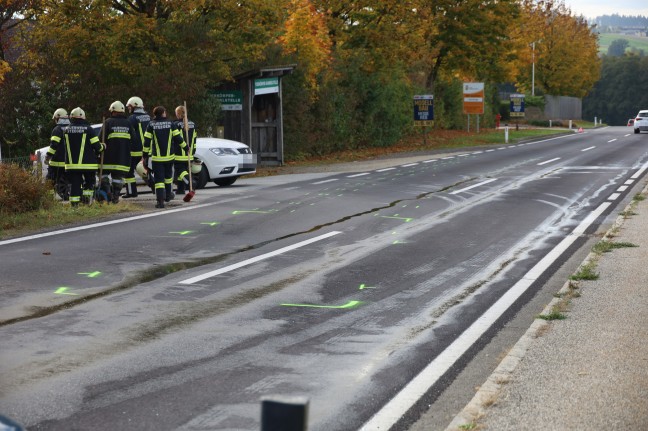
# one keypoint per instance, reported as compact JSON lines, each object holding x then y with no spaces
{"x":280,"y":413}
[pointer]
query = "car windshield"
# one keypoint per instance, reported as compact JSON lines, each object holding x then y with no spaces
{"x":642,"y":114}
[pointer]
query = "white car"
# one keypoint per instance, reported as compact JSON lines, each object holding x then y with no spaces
{"x":223,"y":161}
{"x":641,"y":122}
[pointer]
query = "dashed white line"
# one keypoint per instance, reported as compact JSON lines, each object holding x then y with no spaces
{"x":640,"y":171}
{"x":622,"y":189}
{"x":614,"y":196}
{"x":587,"y":149}
{"x":257,"y":259}
{"x":326,"y":181}
{"x":629,"y":182}
{"x":358,"y":175}
{"x":409,"y":164}
{"x":612,"y":140}
{"x":447,"y":158}
{"x":473,"y":186}
{"x":430,"y":161}
{"x":548,"y":161}
{"x":385,"y":170}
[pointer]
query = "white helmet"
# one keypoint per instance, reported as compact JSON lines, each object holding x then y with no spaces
{"x":77,"y":113}
{"x":135,"y":102}
{"x":141,"y":171}
{"x":117,"y":106}
{"x":60,"y":112}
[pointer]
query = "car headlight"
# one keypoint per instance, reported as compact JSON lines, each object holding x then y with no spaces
{"x":224,"y":151}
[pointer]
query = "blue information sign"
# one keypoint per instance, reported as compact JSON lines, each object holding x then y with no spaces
{"x":424,"y":110}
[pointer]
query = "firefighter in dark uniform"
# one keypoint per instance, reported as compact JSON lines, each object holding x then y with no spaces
{"x":117,"y":157}
{"x":55,"y":158}
{"x":139,"y":120}
{"x":160,"y":141}
{"x":184,"y":155}
{"x":82,"y":149}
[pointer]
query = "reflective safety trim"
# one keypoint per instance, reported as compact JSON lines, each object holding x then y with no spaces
{"x":92,"y":167}
{"x":123,"y":135}
{"x":87,"y":193}
{"x":51,"y":151}
{"x":57,"y":164}
{"x":163,"y":158}
{"x":129,"y":180}
{"x":75,"y":198}
{"x":56,"y":139}
{"x":168,"y":181}
{"x":121,"y":168}
{"x":182,"y":175}
{"x":159,"y":186}
{"x":136,"y":154}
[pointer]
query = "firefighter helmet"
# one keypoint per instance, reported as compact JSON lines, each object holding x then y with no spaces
{"x":77,"y":113}
{"x":60,"y":112}
{"x":135,"y":102}
{"x":141,"y":171}
{"x":117,"y":106}
{"x":196,"y":167}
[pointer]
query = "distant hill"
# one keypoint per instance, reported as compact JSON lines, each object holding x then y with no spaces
{"x":621,"y":21}
{"x":635,"y":43}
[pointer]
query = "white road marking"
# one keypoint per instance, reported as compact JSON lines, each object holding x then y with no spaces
{"x":587,"y":149}
{"x":385,"y":170}
{"x":473,"y":186}
{"x":629,"y":182}
{"x":614,"y":196}
{"x":622,"y":189}
{"x":111,"y":222}
{"x":326,"y":181}
{"x":612,"y":140}
{"x":640,"y":171}
{"x":548,"y":161}
{"x":430,"y":161}
{"x":408,"y":165}
{"x":257,"y":259}
{"x":389,"y":415}
{"x":447,"y":158}
{"x":358,"y":175}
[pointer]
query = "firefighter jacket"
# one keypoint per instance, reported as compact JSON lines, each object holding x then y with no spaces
{"x":81,"y":146}
{"x":56,"y":151}
{"x":139,"y":121}
{"x":161,"y":139}
{"x":186,"y":153}
{"x":117,"y":135}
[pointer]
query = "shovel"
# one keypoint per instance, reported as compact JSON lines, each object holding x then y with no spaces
{"x":191,"y":192}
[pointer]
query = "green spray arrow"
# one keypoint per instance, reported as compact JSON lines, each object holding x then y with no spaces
{"x":62,"y":291}
{"x":362,"y":287}
{"x":349,"y":304}
{"x":90,"y":274}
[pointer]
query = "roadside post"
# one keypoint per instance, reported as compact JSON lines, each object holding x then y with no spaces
{"x":473,"y":100}
{"x":424,"y":113}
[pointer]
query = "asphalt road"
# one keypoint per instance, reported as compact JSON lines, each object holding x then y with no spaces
{"x":367,"y":291}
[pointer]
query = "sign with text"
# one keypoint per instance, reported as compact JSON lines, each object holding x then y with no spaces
{"x":473,"y":98}
{"x":230,"y":100}
{"x":266,"y":86}
{"x":517,"y":105}
{"x":424,"y":110}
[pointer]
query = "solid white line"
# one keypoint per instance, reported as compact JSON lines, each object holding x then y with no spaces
{"x":358,"y":175}
{"x":257,"y":259}
{"x":587,"y":149}
{"x":111,"y":222}
{"x":473,"y":186}
{"x":389,"y":415}
{"x":386,"y":169}
{"x":548,"y":161}
{"x":326,"y":181}
{"x":614,"y":196}
{"x":612,"y":140}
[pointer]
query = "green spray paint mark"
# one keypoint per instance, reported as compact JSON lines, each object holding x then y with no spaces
{"x":211,"y":223}
{"x":184,"y":232}
{"x":406,"y":219}
{"x":63,"y":291}
{"x":362,"y":287}
{"x":90,"y":274}
{"x":350,"y":304}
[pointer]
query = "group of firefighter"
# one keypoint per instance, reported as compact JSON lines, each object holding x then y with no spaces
{"x":76,"y":153}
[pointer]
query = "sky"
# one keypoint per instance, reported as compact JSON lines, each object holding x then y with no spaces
{"x":594,"y":8}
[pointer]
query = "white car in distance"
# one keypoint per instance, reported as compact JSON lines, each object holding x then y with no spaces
{"x":641,"y":122}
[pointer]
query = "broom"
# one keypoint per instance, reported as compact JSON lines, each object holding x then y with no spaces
{"x":98,"y":190}
{"x":191,"y":192}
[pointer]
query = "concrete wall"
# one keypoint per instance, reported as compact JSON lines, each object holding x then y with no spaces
{"x":563,"y":108}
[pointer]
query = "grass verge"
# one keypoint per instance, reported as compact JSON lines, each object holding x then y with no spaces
{"x":58,"y":215}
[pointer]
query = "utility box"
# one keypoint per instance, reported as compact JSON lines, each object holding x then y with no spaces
{"x":253,"y":112}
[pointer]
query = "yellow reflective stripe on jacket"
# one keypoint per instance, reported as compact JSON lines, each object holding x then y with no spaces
{"x":55,"y":138}
{"x":116,"y":168}
{"x":123,"y":135}
{"x":88,"y":167}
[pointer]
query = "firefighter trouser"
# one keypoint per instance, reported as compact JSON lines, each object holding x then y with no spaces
{"x":181,"y":176}
{"x":56,"y":174}
{"x":163,"y":175}
{"x":82,"y":185}
{"x":131,"y":185}
{"x":112,"y":183}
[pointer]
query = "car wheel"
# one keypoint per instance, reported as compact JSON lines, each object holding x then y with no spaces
{"x":224,"y":182}
{"x":636,"y":130}
{"x":201,"y":178}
